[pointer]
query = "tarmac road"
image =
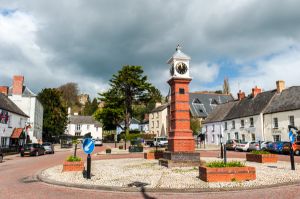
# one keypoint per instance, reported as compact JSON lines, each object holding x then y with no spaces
{"x":17,"y":180}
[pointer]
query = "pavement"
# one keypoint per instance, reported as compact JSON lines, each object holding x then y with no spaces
{"x":18,"y":180}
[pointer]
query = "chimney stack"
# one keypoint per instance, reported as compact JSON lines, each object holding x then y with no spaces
{"x":280,"y":85}
{"x":255,"y":91}
{"x":4,"y":90}
{"x":157,"y":104}
{"x":18,"y":82}
{"x":241,"y":95}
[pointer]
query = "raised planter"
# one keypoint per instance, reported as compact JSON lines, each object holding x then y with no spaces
{"x":73,"y":166}
{"x":227,"y":174}
{"x":136,"y":149}
{"x":261,"y":158}
{"x":153,"y":155}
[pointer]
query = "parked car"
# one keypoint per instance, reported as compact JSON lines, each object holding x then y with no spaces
{"x":278,"y":146}
{"x":296,"y":148}
{"x":49,"y":147}
{"x":286,"y":147}
{"x":270,"y":147}
{"x":32,"y":149}
{"x":255,"y":146}
{"x":1,"y":155}
{"x":98,"y":142}
{"x":231,"y":144}
{"x":243,"y":146}
{"x":264,"y":145}
{"x":160,"y":141}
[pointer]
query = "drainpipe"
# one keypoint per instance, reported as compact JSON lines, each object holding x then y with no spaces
{"x":262,"y":126}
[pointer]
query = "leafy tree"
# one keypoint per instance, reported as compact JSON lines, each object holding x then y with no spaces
{"x":55,"y":112}
{"x":128,"y":87}
{"x":90,"y":107}
{"x":195,"y":125}
{"x":70,"y":93}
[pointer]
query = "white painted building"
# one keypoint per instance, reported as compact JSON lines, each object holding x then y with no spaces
{"x":80,"y":125}
{"x":27,"y":101}
{"x":213,"y":127}
{"x":12,"y":122}
{"x":158,"y":120}
{"x":283,"y":110}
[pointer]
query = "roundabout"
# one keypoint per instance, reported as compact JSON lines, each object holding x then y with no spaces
{"x":132,"y":175}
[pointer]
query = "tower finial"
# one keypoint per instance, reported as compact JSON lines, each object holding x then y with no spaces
{"x":178,"y":47}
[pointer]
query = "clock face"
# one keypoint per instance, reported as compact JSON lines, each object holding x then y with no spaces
{"x":181,"y":68}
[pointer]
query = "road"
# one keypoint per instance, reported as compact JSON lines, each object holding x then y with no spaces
{"x":17,"y":181}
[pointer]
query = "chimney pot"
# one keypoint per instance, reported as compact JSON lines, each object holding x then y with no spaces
{"x":280,"y":85}
{"x":255,"y":91}
{"x":241,"y":95}
{"x":4,"y":90}
{"x":18,"y":82}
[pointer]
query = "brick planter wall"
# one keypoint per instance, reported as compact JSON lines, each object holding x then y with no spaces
{"x":73,"y":166}
{"x":153,"y":155}
{"x":261,"y":158}
{"x":226,"y":174}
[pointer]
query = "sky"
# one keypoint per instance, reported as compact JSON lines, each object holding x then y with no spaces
{"x":251,"y":42}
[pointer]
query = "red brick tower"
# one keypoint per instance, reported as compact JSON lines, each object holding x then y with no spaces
{"x":181,"y":144}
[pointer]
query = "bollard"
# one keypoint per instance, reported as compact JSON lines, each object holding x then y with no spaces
{"x":292,"y":157}
{"x":225,"y":158}
{"x":88,"y":169}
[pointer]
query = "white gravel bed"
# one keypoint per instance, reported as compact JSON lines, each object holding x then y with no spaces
{"x":122,"y":172}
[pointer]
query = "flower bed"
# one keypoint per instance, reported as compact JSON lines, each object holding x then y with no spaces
{"x":220,"y":172}
{"x":73,"y":164}
{"x":151,"y":155}
{"x":261,"y":158}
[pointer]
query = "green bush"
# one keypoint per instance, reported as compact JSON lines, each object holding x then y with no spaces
{"x":72,"y":158}
{"x":220,"y":164}
{"x":158,"y":151}
{"x":260,"y":152}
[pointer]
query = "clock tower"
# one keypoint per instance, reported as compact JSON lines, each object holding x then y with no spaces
{"x":181,"y":144}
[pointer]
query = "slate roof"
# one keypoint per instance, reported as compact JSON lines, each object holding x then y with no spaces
{"x":133,"y":121}
{"x":288,"y":99}
{"x":220,"y":112}
{"x":179,"y":55}
{"x":160,"y":108}
{"x":26,"y":92}
{"x":8,"y":105}
{"x":202,"y":103}
{"x":250,"y":106}
{"x":80,"y":119}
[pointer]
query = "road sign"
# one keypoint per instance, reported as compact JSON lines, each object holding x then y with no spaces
{"x":291,"y":137}
{"x":88,"y":145}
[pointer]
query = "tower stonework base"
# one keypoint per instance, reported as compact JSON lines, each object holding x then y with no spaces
{"x":181,"y":144}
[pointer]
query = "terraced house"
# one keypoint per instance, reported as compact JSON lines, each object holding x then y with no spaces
{"x":261,"y":116}
{"x":13,"y":126}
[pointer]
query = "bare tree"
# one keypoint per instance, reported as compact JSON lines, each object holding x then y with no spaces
{"x":69,"y":93}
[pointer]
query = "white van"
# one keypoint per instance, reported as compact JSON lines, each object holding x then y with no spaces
{"x":160,"y":141}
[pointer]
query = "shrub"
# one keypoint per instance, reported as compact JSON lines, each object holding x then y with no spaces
{"x":121,"y":147}
{"x":108,"y":150}
{"x":72,"y":158}
{"x":260,"y":152}
{"x":158,"y":151}
{"x":220,"y":164}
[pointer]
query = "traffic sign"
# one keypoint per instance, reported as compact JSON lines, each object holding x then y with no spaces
{"x":291,"y":137}
{"x":88,"y":145}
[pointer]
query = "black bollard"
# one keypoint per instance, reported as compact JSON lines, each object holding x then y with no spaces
{"x":259,"y":144}
{"x":225,"y":158}
{"x":292,"y":157}
{"x":88,"y":169}
{"x":222,"y":151}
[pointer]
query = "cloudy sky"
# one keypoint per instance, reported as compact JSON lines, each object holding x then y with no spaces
{"x":252,"y":42}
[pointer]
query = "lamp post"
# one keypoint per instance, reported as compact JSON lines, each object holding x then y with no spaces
{"x":221,"y":142}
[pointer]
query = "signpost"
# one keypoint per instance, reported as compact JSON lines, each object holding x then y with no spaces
{"x":88,"y":147}
{"x":292,"y":140}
